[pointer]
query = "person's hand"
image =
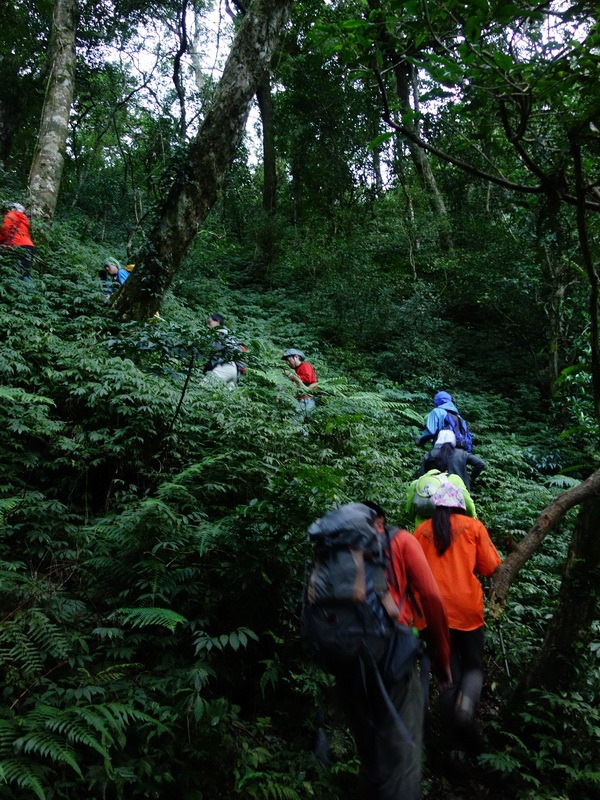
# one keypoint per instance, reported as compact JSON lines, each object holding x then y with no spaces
{"x":444,"y":681}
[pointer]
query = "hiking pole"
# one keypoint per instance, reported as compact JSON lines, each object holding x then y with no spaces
{"x":503,"y":648}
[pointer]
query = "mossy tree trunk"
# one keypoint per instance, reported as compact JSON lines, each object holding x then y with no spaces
{"x":202,"y":175}
{"x":48,"y":160}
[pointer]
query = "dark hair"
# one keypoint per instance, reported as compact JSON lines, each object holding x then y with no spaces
{"x":376,"y":508}
{"x":217,"y":318}
{"x":438,"y":458}
{"x":442,"y":527}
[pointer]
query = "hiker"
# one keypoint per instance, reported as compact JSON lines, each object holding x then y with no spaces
{"x":219,"y":366}
{"x":303,"y":375}
{"x":384,"y":708}
{"x":419,"y":500}
{"x":15,"y":232}
{"x":456,"y":548}
{"x":445,"y":416}
{"x":447,"y":457}
{"x":114,"y":270}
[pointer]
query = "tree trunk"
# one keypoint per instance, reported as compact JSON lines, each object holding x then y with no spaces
{"x":210,"y":155}
{"x":405,"y":78}
{"x":556,"y":664}
{"x":550,"y":516}
{"x":406,"y":85}
{"x":267,"y":116}
{"x":588,"y":263}
{"x":47,"y":166}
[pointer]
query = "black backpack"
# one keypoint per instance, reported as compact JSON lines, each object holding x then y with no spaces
{"x":348,"y":613}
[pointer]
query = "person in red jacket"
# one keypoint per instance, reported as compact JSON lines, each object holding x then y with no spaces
{"x":303,"y":375}
{"x":390,"y":766}
{"x":15,"y":233}
{"x":457,"y":549}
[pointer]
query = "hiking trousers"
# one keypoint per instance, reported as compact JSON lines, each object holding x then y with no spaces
{"x":459,"y":703}
{"x":390,"y":766}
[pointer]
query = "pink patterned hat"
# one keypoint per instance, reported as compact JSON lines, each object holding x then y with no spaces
{"x":449,"y":495}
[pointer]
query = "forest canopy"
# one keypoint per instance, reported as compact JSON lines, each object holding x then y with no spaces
{"x":409,"y":194}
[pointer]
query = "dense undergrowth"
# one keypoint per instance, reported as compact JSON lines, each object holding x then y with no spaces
{"x":153,"y":548}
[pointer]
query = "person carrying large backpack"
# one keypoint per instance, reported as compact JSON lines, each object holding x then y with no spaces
{"x":445,"y":416}
{"x":355,"y":622}
{"x":419,"y":500}
{"x":224,"y":363}
{"x":447,"y":457}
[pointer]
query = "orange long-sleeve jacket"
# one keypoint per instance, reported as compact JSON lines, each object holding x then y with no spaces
{"x":15,"y":230}
{"x":471,"y":551}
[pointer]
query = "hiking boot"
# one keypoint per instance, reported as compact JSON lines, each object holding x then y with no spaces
{"x":466,"y":728}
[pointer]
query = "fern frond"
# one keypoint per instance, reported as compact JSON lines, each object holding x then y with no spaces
{"x":562,"y":481}
{"x":124,"y":715}
{"x":48,"y":746}
{"x":24,"y":774}
{"x":7,"y":504}
{"x":77,"y":734}
{"x":14,"y":394}
{"x":145,"y":617}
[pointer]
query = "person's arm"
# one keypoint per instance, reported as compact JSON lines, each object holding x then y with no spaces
{"x":477,"y":466}
{"x":471,"y":510}
{"x":488,"y":559}
{"x":7,"y":232}
{"x":433,"y":425}
{"x":419,"y":578}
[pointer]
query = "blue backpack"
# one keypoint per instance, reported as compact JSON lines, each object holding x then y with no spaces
{"x":455,"y":423}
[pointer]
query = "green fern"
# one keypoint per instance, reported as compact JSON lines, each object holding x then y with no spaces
{"x":146,"y":617}
{"x":562,"y":482}
{"x":25,"y":775}
{"x":14,"y":394}
{"x":7,"y":504}
{"x":47,"y":745}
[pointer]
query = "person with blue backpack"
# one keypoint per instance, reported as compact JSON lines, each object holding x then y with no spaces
{"x":445,"y":416}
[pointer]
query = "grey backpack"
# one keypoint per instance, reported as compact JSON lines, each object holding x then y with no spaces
{"x":348,"y":615}
{"x":425,"y":488}
{"x":347,"y":608}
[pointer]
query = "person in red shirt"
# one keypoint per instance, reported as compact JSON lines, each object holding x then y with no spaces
{"x":457,"y":548}
{"x":304,"y":376}
{"x":15,"y":233}
{"x":390,"y":765}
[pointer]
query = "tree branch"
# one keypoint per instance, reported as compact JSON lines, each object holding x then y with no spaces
{"x":550,"y":516}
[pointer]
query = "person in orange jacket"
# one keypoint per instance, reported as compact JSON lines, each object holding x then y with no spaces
{"x":457,"y":549}
{"x":15,"y":233}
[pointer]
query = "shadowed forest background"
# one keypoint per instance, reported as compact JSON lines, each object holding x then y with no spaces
{"x":413,"y":203}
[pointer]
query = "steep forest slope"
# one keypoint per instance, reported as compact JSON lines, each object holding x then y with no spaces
{"x":153,"y":544}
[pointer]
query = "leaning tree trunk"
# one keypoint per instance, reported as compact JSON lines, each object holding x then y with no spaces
{"x":550,"y":516}
{"x":48,"y":160}
{"x":210,"y":155}
{"x":556,"y":664}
